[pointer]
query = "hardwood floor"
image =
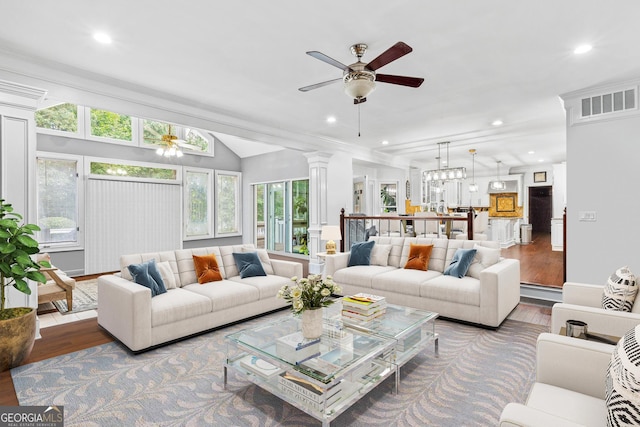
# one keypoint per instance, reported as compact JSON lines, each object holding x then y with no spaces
{"x":75,"y":336}
{"x":539,"y":265}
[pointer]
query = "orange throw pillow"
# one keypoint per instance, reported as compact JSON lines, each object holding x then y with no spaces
{"x":419,"y":257}
{"x":207,"y":268}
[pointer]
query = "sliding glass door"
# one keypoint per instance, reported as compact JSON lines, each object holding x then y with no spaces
{"x":281,"y":216}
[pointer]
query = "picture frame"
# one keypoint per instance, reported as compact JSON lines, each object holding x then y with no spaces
{"x":539,"y":177}
{"x":505,"y":204}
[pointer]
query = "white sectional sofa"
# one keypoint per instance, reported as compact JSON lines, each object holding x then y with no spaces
{"x":127,"y":310}
{"x":484,"y":300}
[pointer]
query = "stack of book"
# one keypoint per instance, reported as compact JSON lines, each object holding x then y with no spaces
{"x":307,"y":392}
{"x":294,"y":348}
{"x":363,"y":307}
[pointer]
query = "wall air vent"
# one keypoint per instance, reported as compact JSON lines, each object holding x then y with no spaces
{"x":598,"y":105}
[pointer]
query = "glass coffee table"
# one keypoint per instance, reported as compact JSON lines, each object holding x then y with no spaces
{"x":329,"y":375}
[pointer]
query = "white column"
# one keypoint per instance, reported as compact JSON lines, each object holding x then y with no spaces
{"x":318,"y":165}
{"x":18,"y":104}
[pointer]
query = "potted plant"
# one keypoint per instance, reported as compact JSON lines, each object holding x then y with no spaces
{"x":17,"y":324}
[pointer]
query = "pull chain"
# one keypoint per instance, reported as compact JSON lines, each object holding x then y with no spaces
{"x":358,"y":120}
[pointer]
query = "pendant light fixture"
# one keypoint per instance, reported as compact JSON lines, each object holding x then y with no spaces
{"x":445,"y":174}
{"x":498,"y":185}
{"x":473,"y":187}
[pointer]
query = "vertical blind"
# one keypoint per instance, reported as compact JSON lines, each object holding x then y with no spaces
{"x":125,"y":217}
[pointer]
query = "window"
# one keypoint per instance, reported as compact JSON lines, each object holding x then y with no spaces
{"x":197,"y":203}
{"x":197,"y":141}
{"x":388,"y":197}
{"x":228,"y":205}
{"x":61,"y":117}
{"x":132,"y":171}
{"x":110,"y":126}
{"x":58,"y":200}
{"x":152,"y":132}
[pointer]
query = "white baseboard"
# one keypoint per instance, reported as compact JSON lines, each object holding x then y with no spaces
{"x":543,"y":293}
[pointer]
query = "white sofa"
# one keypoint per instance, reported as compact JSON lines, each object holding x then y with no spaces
{"x":581,"y":301}
{"x":486,"y":300}
{"x":127,"y":310}
{"x":569,"y":388}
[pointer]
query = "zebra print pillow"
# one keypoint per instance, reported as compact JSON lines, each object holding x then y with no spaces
{"x":623,"y":382}
{"x":620,"y":290}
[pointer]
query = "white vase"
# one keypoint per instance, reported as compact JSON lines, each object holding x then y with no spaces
{"x":312,"y":323}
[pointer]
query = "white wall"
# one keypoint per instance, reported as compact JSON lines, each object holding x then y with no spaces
{"x":602,"y":177}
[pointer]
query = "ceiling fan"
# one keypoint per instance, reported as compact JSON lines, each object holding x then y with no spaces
{"x":172,"y":145}
{"x":359,"y":78}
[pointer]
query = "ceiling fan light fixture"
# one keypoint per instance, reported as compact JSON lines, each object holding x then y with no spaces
{"x":359,"y":84}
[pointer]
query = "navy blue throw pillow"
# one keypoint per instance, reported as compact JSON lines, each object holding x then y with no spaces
{"x":248,"y":264}
{"x":460,"y":263}
{"x":155,"y":274}
{"x":360,"y":253}
{"x":140,"y":274}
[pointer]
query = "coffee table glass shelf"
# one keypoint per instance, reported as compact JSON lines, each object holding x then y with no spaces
{"x":347,"y":362}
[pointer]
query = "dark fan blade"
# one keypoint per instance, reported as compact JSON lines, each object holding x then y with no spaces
{"x":399,"y":80}
{"x":396,"y":51}
{"x":324,"y":58}
{"x":357,"y":101}
{"x":317,"y":85}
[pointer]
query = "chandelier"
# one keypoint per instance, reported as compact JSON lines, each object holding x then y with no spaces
{"x":445,"y":174}
{"x":171,"y":145}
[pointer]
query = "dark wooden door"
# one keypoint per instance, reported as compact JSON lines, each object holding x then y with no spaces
{"x":540,"y":209}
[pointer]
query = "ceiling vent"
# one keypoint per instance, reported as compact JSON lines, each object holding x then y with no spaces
{"x":607,"y":103}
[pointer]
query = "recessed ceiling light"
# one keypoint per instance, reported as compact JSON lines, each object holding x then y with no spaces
{"x":497,"y":122}
{"x":331,"y":119}
{"x":532,"y":152}
{"x":583,"y":48}
{"x":541,"y":160}
{"x":103,"y":38}
{"x":385,"y":142}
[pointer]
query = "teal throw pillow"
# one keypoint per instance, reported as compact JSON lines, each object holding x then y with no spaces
{"x":248,"y":264}
{"x":141,"y":275}
{"x":155,"y":274}
{"x":460,"y":263}
{"x":360,"y":253}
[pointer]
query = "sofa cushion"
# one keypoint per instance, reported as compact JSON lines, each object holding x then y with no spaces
{"x":248,"y":264}
{"x":207,"y":269}
{"x":418,"y":257}
{"x":267,"y":286}
{"x":580,"y":408}
{"x":229,"y":262}
{"x":396,"y":248}
{"x":126,"y":260}
{"x":460,"y":263}
{"x":168,"y":276}
{"x":176,"y":305}
{"x":226,"y":293}
{"x":380,"y":255}
{"x":484,"y":258}
{"x":620,"y":290}
{"x":146,"y":274}
{"x":262,"y":254}
{"x":438,"y":253}
{"x":187,"y":268}
{"x":360,"y":253}
{"x":452,"y":289}
{"x":454,"y":245}
{"x":359,"y":275}
{"x":403,"y":281}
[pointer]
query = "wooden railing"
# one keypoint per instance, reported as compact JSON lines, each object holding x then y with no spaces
{"x":354,"y":227}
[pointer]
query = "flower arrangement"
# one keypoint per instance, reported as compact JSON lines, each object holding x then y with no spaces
{"x":309,"y":293}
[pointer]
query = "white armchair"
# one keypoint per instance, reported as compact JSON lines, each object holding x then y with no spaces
{"x":569,"y":388}
{"x":581,"y":301}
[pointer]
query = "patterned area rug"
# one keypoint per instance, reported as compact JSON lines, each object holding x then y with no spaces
{"x":85,"y":297}
{"x":477,"y":373}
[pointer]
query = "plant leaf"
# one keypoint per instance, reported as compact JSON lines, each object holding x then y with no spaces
{"x":37,"y":276}
{"x":4,"y":234}
{"x":7,"y":248}
{"x":17,"y":270}
{"x":31,"y":227}
{"x":22,"y":286}
{"x":8,"y":223}
{"x":27,"y":241}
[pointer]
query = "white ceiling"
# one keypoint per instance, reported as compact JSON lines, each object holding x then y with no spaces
{"x":481,"y":60}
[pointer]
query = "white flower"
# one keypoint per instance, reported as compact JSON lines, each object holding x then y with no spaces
{"x":325,"y":292}
{"x":337,"y":289}
{"x":329,"y":277}
{"x":298,"y":305}
{"x":296,"y":292}
{"x":294,"y":279}
{"x":316,"y":288}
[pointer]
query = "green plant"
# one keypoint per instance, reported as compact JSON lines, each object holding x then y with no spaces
{"x":16,"y":248}
{"x":309,"y":293}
